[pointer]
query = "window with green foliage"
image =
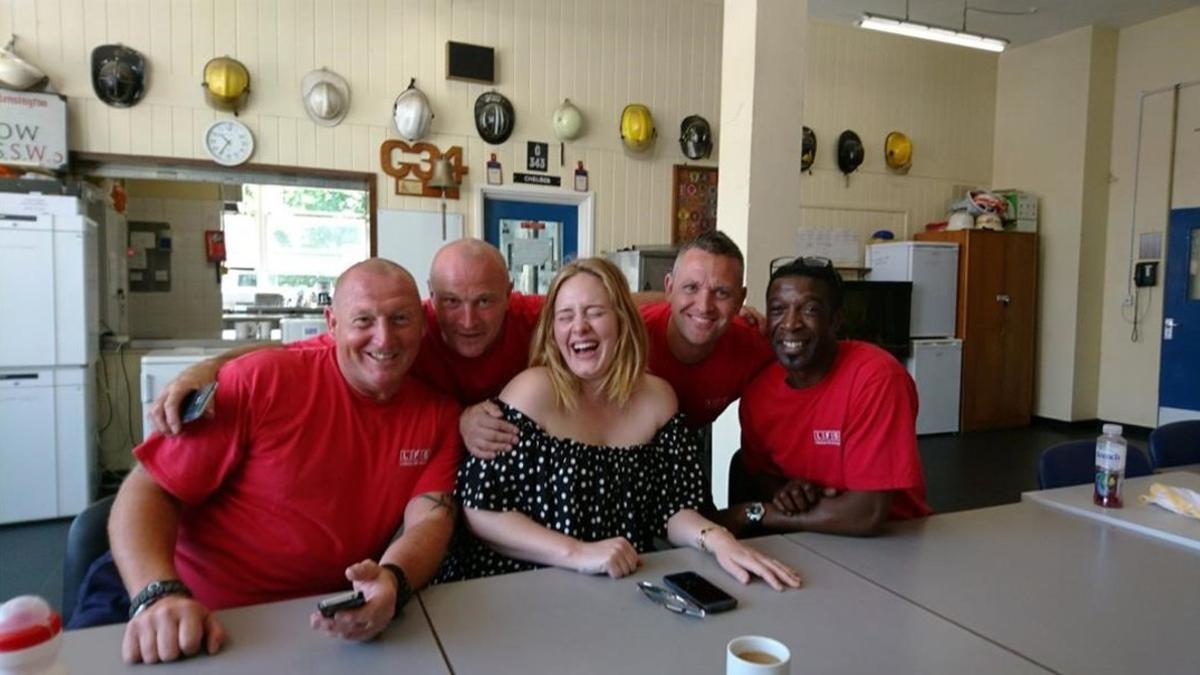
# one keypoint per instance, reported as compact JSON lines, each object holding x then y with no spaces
{"x":289,"y":243}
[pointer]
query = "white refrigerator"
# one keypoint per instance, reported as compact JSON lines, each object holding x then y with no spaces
{"x":936,"y":359}
{"x":936,"y":367}
{"x":48,"y":290}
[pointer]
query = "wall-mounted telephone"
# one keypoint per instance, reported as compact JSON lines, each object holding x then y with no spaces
{"x":214,"y":245}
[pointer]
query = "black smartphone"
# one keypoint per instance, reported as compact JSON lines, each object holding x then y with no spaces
{"x":700,"y":592}
{"x":195,"y":402}
{"x":336,"y":603}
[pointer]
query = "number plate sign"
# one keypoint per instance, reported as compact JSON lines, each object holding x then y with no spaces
{"x":536,"y":156}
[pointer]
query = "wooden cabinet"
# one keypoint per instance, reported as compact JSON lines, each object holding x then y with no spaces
{"x":997,"y":308}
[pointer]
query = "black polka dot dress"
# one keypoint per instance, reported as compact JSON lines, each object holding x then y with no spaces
{"x":585,"y":491}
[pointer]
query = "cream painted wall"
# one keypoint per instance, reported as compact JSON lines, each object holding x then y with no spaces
{"x":1049,"y":132}
{"x":601,"y":54}
{"x":1154,"y":54}
{"x":942,"y":97}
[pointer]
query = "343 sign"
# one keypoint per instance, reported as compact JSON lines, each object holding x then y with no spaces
{"x":537,"y":156}
{"x":412,"y":166}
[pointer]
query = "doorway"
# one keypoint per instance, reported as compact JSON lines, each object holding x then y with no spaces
{"x":1179,"y":388}
{"x":536,"y":230}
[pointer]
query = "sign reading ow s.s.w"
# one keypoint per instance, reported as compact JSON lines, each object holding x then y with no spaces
{"x":33,"y":130}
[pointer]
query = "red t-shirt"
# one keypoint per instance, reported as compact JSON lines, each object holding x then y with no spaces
{"x":706,"y":388}
{"x":297,"y":476}
{"x":469,"y":381}
{"x":854,"y":430}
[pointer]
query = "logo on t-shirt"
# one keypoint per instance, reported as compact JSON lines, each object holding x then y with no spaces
{"x":827,"y":437}
{"x":414,"y":457}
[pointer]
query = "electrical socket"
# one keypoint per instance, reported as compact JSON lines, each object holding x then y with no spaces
{"x":1128,"y":301}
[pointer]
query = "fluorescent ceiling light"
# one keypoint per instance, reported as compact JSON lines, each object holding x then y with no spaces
{"x":925,"y":32}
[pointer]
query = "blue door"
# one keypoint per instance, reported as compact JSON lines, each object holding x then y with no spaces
{"x":536,"y":239}
{"x":1179,"y":384}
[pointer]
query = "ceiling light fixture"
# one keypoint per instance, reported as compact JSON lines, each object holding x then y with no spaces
{"x":923,"y":31}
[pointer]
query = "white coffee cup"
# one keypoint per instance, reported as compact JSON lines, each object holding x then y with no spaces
{"x":757,"y":655}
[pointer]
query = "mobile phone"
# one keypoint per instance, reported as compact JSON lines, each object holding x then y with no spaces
{"x":195,"y":402}
{"x":336,"y":603}
{"x":700,"y":592}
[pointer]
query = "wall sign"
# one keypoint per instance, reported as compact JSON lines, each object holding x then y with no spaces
{"x":537,"y":156}
{"x":412,"y":177}
{"x":693,"y":202}
{"x":33,"y":130}
{"x":536,"y":179}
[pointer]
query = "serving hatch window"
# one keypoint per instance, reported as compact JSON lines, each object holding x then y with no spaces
{"x":285,"y":245}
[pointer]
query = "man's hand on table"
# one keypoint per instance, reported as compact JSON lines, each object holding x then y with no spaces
{"x":798,"y":496}
{"x":172,"y":627}
{"x":379,"y":587}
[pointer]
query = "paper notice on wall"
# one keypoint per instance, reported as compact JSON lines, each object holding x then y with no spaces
{"x":843,"y":247}
{"x":140,"y":241}
{"x":137,"y":261}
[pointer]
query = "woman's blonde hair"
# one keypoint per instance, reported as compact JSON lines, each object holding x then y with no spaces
{"x":629,"y":361}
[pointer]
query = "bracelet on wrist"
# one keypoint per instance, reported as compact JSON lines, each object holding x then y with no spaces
{"x":404,"y":591}
{"x":155,"y":591}
{"x":700,"y":538}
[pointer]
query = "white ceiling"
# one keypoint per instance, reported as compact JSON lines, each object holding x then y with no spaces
{"x":1053,"y":16}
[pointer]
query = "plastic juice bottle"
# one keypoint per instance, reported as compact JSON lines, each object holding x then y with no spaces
{"x":1110,"y":467}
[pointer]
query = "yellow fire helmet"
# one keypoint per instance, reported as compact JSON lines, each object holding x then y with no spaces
{"x":226,"y":83}
{"x":637,"y":127}
{"x":897,"y":151}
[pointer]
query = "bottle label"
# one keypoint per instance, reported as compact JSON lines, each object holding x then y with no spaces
{"x":1110,"y":456}
{"x":1108,"y":483}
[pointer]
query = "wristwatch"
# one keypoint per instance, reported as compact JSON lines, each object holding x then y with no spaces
{"x":155,"y":591}
{"x":404,"y":591}
{"x":755,"y":512}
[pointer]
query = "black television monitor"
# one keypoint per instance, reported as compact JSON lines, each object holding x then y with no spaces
{"x":878,"y":312}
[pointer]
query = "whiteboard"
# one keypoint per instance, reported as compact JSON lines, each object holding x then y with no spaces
{"x":410,"y":238}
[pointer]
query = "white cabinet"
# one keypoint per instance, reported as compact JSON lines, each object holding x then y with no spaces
{"x":47,"y":463}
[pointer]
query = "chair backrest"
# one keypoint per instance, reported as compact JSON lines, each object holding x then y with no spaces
{"x":1175,"y":444}
{"x":1074,"y":463}
{"x":87,"y":540}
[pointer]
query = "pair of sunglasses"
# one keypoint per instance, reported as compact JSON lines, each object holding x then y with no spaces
{"x":811,"y":261}
{"x":670,"y":599}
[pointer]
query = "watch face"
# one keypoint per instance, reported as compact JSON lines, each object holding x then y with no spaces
{"x":755,"y":511}
{"x":228,"y":142}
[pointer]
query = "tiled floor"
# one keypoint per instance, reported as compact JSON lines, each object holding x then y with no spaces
{"x":964,"y":471}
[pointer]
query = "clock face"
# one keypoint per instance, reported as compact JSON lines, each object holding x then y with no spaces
{"x":228,"y":142}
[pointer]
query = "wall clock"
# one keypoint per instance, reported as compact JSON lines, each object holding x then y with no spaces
{"x":228,"y":142}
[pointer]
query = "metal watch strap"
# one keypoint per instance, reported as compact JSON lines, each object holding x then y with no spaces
{"x":155,"y":591}
{"x":404,"y":591}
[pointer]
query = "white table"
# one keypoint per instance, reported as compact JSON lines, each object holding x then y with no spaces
{"x":1145,"y":519}
{"x":1072,"y":594}
{"x":557,"y":621}
{"x":273,"y":638}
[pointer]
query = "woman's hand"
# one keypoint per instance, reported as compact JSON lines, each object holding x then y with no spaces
{"x":741,"y":562}
{"x":615,"y":557}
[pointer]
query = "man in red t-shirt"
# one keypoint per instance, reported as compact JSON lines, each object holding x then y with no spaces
{"x":829,"y":431}
{"x":313,"y":462}
{"x":477,"y":339}
{"x":698,"y":342}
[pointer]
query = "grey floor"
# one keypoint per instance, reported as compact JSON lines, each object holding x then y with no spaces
{"x":962,"y":471}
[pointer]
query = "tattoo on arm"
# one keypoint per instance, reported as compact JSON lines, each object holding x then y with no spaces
{"x":440,"y":501}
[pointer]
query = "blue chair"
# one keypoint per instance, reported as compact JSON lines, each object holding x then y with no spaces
{"x":1074,"y":463}
{"x":1175,"y":444}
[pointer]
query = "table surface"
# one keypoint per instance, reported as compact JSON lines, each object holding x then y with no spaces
{"x":273,"y":638}
{"x":557,"y":621}
{"x":1145,"y":519}
{"x":1075,"y":595}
